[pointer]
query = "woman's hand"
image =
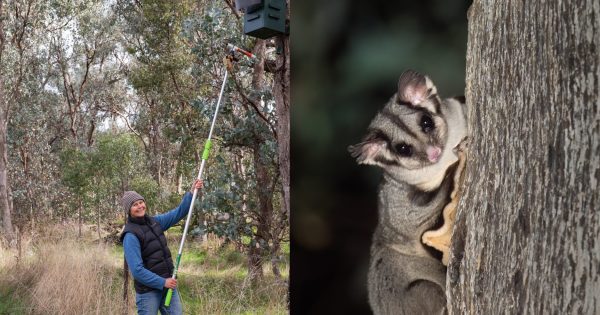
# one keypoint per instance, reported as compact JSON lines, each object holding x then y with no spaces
{"x":198,"y":184}
{"x":170,"y":283}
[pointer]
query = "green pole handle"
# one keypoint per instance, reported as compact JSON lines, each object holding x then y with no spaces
{"x":168,"y":299}
{"x":170,"y":291}
{"x":207,"y":146}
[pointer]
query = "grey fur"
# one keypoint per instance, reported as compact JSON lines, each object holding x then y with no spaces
{"x":404,"y":277}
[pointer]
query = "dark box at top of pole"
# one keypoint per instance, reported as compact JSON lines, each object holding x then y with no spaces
{"x":263,"y":18}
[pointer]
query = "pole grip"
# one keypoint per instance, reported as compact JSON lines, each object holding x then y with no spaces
{"x":207,"y":146}
{"x":168,"y":298}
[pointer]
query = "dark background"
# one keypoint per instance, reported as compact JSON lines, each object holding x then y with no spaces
{"x":346,"y":60}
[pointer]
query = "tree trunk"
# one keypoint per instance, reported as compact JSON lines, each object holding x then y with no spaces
{"x":281,"y":92}
{"x":98,"y":209}
{"x":255,"y":272}
{"x":241,"y":170}
{"x":5,"y":209}
{"x":32,"y":207}
{"x":264,"y":192}
{"x":528,"y":226}
{"x":275,"y":260}
{"x":80,"y":209}
{"x":265,"y":212}
{"x":7,"y":227}
{"x":258,"y":73}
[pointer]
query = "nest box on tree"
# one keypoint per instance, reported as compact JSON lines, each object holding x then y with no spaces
{"x":263,"y":18}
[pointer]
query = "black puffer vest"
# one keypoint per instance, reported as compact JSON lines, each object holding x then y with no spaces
{"x":153,"y":243}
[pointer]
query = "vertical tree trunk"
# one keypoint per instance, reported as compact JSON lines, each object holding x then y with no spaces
{"x":281,"y":92}
{"x":527,"y":234}
{"x":32,"y":207}
{"x":46,"y":202}
{"x":275,"y":260}
{"x":7,"y":228}
{"x":180,"y":190}
{"x":79,"y":210}
{"x":265,"y":211}
{"x":241,"y":170}
{"x":255,"y":272}
{"x":98,"y":210}
{"x":263,"y":178}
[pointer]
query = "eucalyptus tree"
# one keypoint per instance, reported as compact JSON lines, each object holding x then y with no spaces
{"x":76,"y":176}
{"x":80,"y":52}
{"x":73,"y":77}
{"x":117,"y":164}
{"x":20,"y":28}
{"x":96,"y":176}
{"x":178,"y":51}
{"x":166,"y":123}
{"x":7,"y":228}
{"x":281,"y":93}
{"x":526,"y":238}
{"x":249,"y":132}
{"x":66,"y":80}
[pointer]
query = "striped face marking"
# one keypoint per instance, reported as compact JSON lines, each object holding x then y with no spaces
{"x":409,"y":132}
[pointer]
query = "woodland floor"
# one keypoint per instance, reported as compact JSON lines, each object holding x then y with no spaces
{"x":57,"y":273}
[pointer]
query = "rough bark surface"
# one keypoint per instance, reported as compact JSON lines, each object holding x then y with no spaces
{"x":527,"y":239}
{"x":281,"y":91}
{"x":7,"y":228}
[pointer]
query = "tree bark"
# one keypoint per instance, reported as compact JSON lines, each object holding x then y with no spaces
{"x":265,"y":204}
{"x":98,"y":219}
{"x":281,"y":92}
{"x":80,"y":220}
{"x":7,"y":228}
{"x":526,"y":239}
{"x":255,"y":272}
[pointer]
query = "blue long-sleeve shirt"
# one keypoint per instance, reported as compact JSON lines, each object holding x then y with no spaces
{"x":133,"y":251}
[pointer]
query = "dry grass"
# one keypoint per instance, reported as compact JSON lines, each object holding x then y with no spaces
{"x":65,"y":277}
{"x":58,"y":274}
{"x":76,"y":279}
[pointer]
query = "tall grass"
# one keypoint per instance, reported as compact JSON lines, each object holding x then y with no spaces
{"x":61,"y":274}
{"x":62,"y":277}
{"x":212,"y":280}
{"x":219,"y":285}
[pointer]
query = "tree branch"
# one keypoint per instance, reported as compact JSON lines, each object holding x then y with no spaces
{"x":88,"y":62}
{"x":232,"y":7}
{"x":135,"y":132}
{"x":252,"y":103}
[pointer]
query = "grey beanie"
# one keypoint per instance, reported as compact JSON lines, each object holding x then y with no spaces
{"x":129,"y":197}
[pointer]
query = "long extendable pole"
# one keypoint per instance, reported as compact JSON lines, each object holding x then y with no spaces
{"x":207,"y":146}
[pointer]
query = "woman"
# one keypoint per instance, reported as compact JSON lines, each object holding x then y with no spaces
{"x":147,"y":254}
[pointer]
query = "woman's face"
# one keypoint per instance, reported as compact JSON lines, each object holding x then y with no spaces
{"x":138,"y":209}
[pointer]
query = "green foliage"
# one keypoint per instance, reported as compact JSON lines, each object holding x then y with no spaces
{"x":285,"y":248}
{"x":119,"y":95}
{"x":99,"y":175}
{"x":75,"y":169}
{"x":178,"y":49}
{"x":224,"y":196}
{"x":118,"y":157}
